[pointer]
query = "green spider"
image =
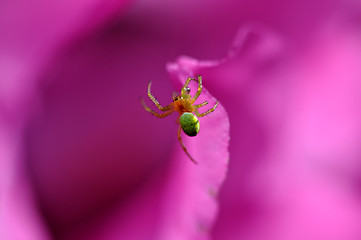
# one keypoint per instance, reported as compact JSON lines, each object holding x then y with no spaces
{"x":184,"y":105}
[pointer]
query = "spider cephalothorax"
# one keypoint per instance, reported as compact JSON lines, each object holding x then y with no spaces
{"x":184,"y":105}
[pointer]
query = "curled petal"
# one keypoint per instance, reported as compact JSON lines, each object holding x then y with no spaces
{"x":295,"y":119}
{"x":190,"y":203}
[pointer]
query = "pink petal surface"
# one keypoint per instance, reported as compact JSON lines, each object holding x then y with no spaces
{"x":294,"y":170}
{"x":194,"y":188}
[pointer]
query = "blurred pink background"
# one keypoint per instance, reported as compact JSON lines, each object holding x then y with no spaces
{"x":81,"y":159}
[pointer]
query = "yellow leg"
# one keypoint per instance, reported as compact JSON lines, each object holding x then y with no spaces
{"x":184,"y":147}
{"x":162,"y":115}
{"x":201,"y":105}
{"x":150,"y":95}
{"x":199,"y":89}
{"x":185,"y":89}
{"x":205,"y":113}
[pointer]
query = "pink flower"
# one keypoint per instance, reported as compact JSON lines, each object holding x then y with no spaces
{"x":294,"y":169}
{"x":81,"y":159}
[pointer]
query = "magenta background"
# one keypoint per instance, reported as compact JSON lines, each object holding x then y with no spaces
{"x":71,"y":73}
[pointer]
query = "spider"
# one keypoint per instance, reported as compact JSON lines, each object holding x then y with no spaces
{"x":184,"y":105}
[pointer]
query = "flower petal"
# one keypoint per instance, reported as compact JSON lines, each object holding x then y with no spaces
{"x":295,"y":127}
{"x":190,"y":205}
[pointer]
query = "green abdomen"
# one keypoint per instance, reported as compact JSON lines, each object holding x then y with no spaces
{"x":189,"y":123}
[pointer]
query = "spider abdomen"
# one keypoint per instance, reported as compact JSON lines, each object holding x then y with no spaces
{"x":189,"y":123}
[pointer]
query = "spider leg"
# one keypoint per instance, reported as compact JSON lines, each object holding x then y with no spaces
{"x":200,"y":105}
{"x":162,"y":115}
{"x":184,"y":89}
{"x":182,"y":144}
{"x":205,"y":113}
{"x":199,"y":89}
{"x":150,"y":95}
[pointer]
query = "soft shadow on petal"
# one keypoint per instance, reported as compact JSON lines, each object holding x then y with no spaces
{"x":179,"y":201}
{"x":31,"y":33}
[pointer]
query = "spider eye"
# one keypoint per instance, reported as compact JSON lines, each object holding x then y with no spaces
{"x":175,"y":96}
{"x":188,"y":90}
